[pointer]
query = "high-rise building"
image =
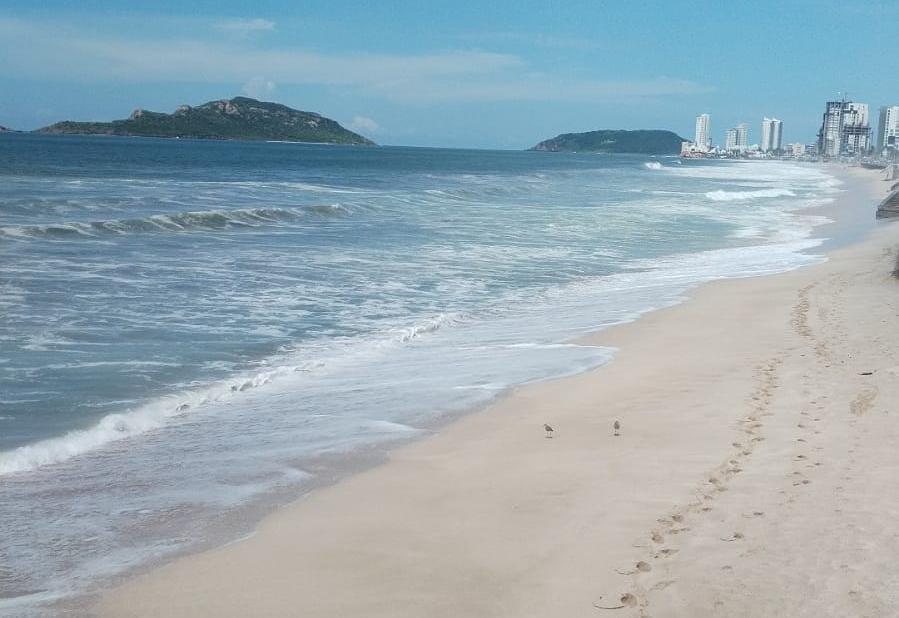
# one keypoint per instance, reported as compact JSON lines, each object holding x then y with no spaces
{"x":829,"y":134}
{"x":888,"y":129}
{"x":730,"y":140}
{"x":737,"y":138}
{"x":844,"y":129}
{"x":856,"y":129}
{"x":742,"y":136}
{"x":772,"y":134}
{"x":703,"y":139}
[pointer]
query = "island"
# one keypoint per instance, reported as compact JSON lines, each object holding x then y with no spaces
{"x":650,"y":142}
{"x":240,"y":118}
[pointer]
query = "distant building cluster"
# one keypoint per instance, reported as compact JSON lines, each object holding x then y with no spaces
{"x":736,"y":140}
{"x":845,"y":132}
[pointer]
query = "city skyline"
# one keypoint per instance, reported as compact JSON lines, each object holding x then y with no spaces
{"x":440,"y":74}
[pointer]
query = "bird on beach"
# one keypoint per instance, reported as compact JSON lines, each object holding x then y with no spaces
{"x":617,"y":427}
{"x":548,"y":430}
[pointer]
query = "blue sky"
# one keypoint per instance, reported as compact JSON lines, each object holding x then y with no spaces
{"x":467,"y":74}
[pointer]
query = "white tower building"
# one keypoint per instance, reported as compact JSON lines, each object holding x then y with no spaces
{"x":730,"y":140}
{"x":737,"y":138}
{"x":772,"y":134}
{"x":856,"y":129}
{"x":703,"y":138}
{"x":888,"y":129}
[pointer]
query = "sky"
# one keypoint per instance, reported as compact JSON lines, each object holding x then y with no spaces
{"x":456,"y":74}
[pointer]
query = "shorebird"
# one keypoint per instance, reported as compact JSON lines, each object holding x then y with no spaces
{"x":548,"y":430}
{"x":617,"y":427}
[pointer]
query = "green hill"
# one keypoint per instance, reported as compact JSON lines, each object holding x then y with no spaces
{"x":653,"y":142}
{"x":237,"y":118}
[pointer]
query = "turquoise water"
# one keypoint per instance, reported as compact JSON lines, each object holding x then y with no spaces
{"x":186,"y":326}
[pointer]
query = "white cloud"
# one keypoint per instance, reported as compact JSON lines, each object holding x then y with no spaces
{"x":363,"y":124}
{"x":549,"y":41}
{"x":244,"y":26}
{"x":60,"y":52}
{"x":259,"y":88}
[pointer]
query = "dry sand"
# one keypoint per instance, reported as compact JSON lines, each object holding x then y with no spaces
{"x":755,"y":475}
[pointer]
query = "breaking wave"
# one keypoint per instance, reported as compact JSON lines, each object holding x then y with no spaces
{"x":653,"y":165}
{"x":734,"y":196}
{"x":209,"y":220}
{"x":156,"y":414}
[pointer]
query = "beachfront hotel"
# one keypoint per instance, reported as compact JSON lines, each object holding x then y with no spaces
{"x":772,"y":134}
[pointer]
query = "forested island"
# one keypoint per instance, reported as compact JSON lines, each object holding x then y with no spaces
{"x":651,"y":142}
{"x":240,"y":118}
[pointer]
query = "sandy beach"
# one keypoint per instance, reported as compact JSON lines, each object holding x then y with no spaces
{"x":753,"y":477}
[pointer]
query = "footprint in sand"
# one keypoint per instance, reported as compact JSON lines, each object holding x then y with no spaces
{"x":640,"y":567}
{"x":626,"y":600}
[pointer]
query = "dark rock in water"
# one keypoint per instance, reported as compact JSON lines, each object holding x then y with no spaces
{"x":237,"y":118}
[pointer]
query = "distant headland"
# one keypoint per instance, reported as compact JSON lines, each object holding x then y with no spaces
{"x":651,"y":142}
{"x":240,"y":118}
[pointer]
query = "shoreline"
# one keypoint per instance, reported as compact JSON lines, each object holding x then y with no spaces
{"x":547,"y":391}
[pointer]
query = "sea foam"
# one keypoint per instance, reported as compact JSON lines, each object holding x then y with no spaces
{"x":737,"y":196}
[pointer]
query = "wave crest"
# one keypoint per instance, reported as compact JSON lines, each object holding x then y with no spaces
{"x":156,"y":414}
{"x":178,"y":222}
{"x":734,"y":196}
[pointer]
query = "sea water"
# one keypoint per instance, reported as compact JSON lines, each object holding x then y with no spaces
{"x":190,"y":328}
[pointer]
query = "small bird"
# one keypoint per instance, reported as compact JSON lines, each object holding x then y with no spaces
{"x":548,"y":430}
{"x":617,"y":427}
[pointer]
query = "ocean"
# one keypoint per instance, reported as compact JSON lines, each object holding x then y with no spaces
{"x":194,"y":331}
